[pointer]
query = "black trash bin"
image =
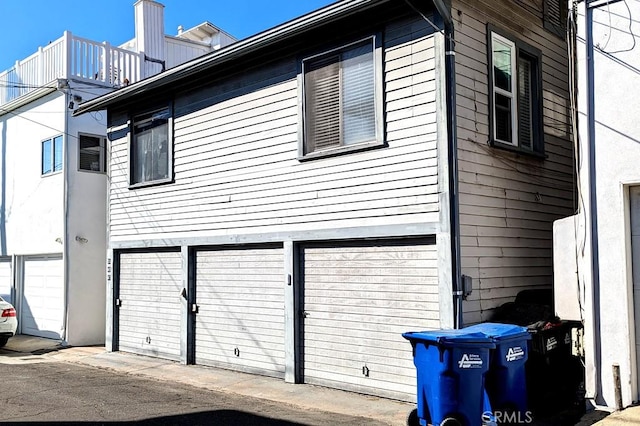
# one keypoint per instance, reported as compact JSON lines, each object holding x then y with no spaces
{"x":555,"y":377}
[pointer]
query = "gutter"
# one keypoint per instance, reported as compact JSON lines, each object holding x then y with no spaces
{"x":452,"y":146}
{"x":65,"y":207}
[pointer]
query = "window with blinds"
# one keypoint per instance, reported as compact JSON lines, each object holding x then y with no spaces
{"x":92,"y":154}
{"x":516,"y":94}
{"x":340,"y":106}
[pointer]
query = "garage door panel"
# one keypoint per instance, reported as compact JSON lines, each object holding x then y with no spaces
{"x":359,"y":327}
{"x":151,"y":310}
{"x":234,"y":325}
{"x":356,"y":313}
{"x":359,"y":300}
{"x":363,"y":282}
{"x":372,"y":304}
{"x":6,"y":280}
{"x":359,"y":383}
{"x":42,"y":308}
{"x":240,"y":324}
{"x":319,"y":296}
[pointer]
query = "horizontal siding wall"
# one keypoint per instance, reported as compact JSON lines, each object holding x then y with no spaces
{"x":508,"y":202}
{"x":236,"y":150}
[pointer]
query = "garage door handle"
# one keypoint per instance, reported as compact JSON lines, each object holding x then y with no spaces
{"x":304,"y":314}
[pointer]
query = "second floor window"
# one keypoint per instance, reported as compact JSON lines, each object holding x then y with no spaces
{"x":516,"y":94}
{"x":341,"y":103}
{"x":150,"y":150}
{"x":51,"y":155}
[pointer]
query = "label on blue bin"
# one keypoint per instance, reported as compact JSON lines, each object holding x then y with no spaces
{"x":515,"y":353}
{"x":470,"y":361}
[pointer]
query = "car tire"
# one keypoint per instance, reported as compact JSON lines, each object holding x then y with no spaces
{"x":3,"y":341}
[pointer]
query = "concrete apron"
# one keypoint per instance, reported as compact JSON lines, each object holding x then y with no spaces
{"x":28,"y":349}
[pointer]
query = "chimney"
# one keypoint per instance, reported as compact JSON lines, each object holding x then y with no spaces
{"x":149,"y":23}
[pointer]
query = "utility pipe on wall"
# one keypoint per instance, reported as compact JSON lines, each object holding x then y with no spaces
{"x":452,"y":146}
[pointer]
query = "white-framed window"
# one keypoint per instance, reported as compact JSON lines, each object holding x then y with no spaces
{"x":151,"y":148}
{"x":92,"y":153}
{"x":515,"y":94}
{"x":342,"y":100}
{"x":51,"y":155}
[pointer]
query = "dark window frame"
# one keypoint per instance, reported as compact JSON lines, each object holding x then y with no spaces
{"x":137,"y":119}
{"x":522,"y":49}
{"x":102,"y":152}
{"x":379,"y":130}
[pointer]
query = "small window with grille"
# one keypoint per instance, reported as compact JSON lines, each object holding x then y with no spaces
{"x":342,"y":101}
{"x":516,"y":94}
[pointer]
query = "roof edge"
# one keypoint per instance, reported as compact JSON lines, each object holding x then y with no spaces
{"x":240,"y":48}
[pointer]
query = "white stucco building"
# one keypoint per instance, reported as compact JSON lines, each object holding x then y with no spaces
{"x":53,"y":170}
{"x":605,"y":248}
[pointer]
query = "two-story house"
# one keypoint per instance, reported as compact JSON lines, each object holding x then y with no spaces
{"x":53,"y":170}
{"x":290,"y":204}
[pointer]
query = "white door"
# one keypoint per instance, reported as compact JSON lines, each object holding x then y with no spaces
{"x":42,"y":307}
{"x":150,"y":290}
{"x":358,"y":300}
{"x":6,"y":280}
{"x":240,"y":295}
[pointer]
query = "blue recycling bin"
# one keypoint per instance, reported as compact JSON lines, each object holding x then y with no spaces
{"x":506,"y":379}
{"x":451,"y":367}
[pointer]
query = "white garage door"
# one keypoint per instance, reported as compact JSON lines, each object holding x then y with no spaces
{"x":358,"y":300}
{"x":6,"y":280}
{"x":42,"y":308}
{"x":240,"y":324}
{"x":150,"y":293}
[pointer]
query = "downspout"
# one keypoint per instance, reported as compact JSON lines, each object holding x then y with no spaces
{"x":593,"y":202}
{"x":65,"y":207}
{"x":452,"y":146}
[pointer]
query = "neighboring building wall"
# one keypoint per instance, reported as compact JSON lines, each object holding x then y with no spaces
{"x":508,"y":202}
{"x":236,"y":159}
{"x":87,"y":217}
{"x":32,"y":203}
{"x":617,"y":151}
{"x":178,"y":51}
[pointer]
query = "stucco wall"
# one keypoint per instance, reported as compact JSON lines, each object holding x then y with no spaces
{"x":617,"y":142}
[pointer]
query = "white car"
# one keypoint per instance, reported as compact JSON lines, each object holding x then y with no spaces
{"x":8,"y":321}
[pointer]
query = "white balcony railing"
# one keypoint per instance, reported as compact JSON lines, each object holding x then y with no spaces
{"x":70,"y":57}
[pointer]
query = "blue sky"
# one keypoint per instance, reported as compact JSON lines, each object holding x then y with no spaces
{"x":28,"y":24}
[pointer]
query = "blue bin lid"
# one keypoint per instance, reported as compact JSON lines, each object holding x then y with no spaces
{"x":499,"y":331}
{"x":460,"y":337}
